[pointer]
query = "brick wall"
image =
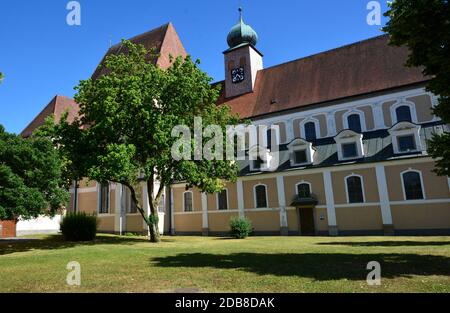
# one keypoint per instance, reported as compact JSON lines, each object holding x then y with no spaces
{"x":7,"y":229}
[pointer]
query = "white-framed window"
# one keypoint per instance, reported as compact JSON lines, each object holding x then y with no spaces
{"x":259,"y":158}
{"x":260,"y":196}
{"x":403,"y":111}
{"x":405,"y":138}
{"x":310,"y":129}
{"x":349,"y":145}
{"x":222,"y":200}
{"x":412,"y":184}
{"x":301,"y":152}
{"x":354,"y":188}
{"x":303,"y":189}
{"x":188,"y":201}
{"x":354,"y":120}
{"x":103,"y":198}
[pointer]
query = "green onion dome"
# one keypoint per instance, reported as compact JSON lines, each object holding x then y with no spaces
{"x":241,"y":33}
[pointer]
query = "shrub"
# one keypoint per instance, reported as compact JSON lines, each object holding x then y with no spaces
{"x":241,"y":227}
{"x":79,"y":226}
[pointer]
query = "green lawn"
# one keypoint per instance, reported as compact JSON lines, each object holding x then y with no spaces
{"x":257,"y":264}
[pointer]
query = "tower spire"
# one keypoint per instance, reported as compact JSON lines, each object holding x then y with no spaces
{"x":240,"y":14}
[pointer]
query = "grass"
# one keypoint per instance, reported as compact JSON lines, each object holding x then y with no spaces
{"x":257,"y":264}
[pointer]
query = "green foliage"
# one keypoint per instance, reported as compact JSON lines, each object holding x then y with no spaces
{"x":1,"y":77}
{"x":424,"y":27}
{"x":30,"y":177}
{"x":130,"y":113}
{"x":240,"y":227}
{"x":79,"y":226}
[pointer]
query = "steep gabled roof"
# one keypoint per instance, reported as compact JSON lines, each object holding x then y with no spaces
{"x":357,"y":69}
{"x":163,"y":40}
{"x":57,"y":106}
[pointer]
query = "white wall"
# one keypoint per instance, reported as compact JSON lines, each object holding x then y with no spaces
{"x":40,"y":225}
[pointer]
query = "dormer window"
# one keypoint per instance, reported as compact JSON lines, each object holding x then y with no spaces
{"x":406,"y":143}
{"x":260,"y":158}
{"x":349,"y":150}
{"x":349,"y":145}
{"x":405,"y":138}
{"x":301,"y":152}
{"x":300,"y":157}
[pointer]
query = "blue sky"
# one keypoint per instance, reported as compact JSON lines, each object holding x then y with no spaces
{"x":42,"y":56}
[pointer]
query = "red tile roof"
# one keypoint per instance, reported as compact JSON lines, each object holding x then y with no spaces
{"x":57,"y":106}
{"x":360,"y":68}
{"x":163,"y":40}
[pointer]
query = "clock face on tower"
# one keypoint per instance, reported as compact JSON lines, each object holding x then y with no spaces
{"x":237,"y":75}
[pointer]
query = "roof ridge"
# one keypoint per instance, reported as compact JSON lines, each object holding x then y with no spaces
{"x":166,"y":26}
{"x":327,"y":51}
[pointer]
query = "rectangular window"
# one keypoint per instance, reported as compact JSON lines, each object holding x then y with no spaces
{"x":349,"y":150}
{"x":104,"y":199}
{"x":300,"y":157}
{"x":406,"y":143}
{"x":223,"y":200}
{"x":188,"y":201}
{"x":162,"y":204}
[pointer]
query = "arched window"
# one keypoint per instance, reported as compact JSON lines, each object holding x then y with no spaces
{"x":403,"y":114}
{"x":412,"y":185}
{"x":222,"y":200}
{"x":261,"y":196}
{"x":354,"y":189}
{"x":354,"y":122}
{"x":310,"y":131}
{"x":303,"y":190}
{"x":188,"y":207}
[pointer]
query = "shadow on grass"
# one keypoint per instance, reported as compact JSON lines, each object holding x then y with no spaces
{"x":318,"y":266}
{"x":387,"y":243}
{"x":52,"y":242}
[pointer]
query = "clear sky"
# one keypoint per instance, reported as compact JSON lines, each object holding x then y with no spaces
{"x":41,"y":56}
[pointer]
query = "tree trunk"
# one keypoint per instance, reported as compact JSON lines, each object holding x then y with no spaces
{"x":154,"y":217}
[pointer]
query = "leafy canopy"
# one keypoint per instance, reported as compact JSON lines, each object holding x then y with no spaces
{"x":30,"y":177}
{"x":126,"y":119}
{"x":424,"y":27}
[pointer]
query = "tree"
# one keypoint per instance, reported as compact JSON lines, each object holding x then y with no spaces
{"x":30,"y":177}
{"x":124,"y":132}
{"x":424,"y":27}
{"x":1,"y":77}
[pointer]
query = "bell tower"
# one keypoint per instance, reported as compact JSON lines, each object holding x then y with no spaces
{"x":242,"y":59}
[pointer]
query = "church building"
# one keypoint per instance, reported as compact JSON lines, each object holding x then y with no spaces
{"x":353,"y":125}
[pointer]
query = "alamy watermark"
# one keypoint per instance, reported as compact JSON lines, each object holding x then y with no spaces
{"x":374,"y":276}
{"x":374,"y":16}
{"x":73,"y":278}
{"x":234,"y":143}
{"x":73,"y":18}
